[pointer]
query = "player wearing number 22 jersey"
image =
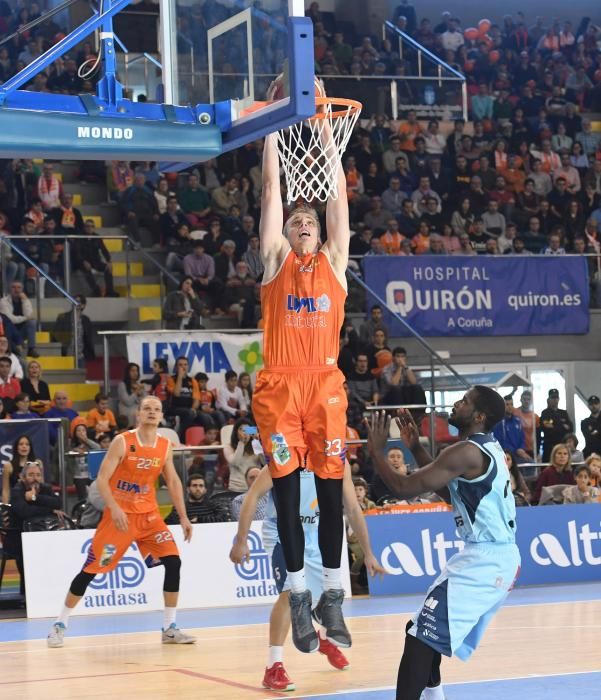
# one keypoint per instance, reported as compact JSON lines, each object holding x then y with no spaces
{"x":133,"y":487}
{"x":126,"y":482}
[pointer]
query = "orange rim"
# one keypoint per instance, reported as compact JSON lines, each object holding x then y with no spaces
{"x":336,"y":102}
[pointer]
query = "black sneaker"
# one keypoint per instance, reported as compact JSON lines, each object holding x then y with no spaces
{"x":304,"y":635}
{"x":328,"y":613}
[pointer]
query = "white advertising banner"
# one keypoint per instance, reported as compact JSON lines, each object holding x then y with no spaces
{"x":208,"y":577}
{"x":210,"y":352}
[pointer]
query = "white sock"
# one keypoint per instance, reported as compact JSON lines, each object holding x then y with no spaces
{"x":297,"y":580}
{"x":331,"y":579}
{"x":169,"y":617}
{"x":64,"y":616}
{"x":433,"y":693}
{"x":275,"y":654}
{"x":322,"y":633}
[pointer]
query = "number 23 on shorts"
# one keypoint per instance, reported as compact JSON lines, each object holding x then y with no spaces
{"x":333,"y":448}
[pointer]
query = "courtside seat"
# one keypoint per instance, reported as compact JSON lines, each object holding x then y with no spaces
{"x":195,"y":434}
{"x":171,"y":435}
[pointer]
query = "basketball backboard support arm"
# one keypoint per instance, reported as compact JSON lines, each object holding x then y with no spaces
{"x":168,"y":35}
{"x":108,"y":127}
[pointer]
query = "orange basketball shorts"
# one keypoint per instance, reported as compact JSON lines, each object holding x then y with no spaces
{"x":147,"y":530}
{"x":301,"y":414}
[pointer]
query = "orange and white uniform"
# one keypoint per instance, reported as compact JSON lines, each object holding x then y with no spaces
{"x":133,"y":487}
{"x":299,"y":401}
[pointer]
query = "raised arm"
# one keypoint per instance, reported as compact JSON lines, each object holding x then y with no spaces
{"x":452,"y":462}
{"x":337,"y":212}
{"x":337,"y":225}
{"x":273,"y":243}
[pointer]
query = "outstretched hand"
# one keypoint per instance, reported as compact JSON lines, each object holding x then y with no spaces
{"x":407,"y":428}
{"x":378,"y":427}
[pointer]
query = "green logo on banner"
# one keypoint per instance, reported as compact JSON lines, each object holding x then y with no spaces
{"x":251,"y":357}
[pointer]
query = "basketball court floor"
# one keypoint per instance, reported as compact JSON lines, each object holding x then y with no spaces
{"x":544,"y":644}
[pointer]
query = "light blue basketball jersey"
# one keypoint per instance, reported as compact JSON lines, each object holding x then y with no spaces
{"x":484,"y":507}
{"x":308,"y":510}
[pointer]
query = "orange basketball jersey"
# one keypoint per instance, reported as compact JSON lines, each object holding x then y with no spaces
{"x":303,"y":311}
{"x":133,"y":481}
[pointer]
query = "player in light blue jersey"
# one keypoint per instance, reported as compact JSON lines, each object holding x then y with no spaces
{"x":471,"y":475}
{"x":276,"y":677}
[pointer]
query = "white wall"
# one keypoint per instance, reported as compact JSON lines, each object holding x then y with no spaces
{"x":587,"y":377}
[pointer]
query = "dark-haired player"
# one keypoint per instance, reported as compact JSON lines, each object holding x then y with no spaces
{"x":473,"y":477}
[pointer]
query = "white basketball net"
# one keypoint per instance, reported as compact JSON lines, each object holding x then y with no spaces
{"x":310,"y":150}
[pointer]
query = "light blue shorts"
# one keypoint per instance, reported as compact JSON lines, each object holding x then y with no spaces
{"x":313,"y":565}
{"x":462,"y":601}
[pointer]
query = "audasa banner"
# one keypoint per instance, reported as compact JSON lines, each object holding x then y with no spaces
{"x":212,"y":353}
{"x":208,"y":577}
{"x":476,"y":296}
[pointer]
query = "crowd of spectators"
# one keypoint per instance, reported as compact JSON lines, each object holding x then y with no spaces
{"x":521,"y":177}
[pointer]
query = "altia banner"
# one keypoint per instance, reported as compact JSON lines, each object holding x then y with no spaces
{"x":206,"y":351}
{"x":558,"y":544}
{"x":208,"y":577}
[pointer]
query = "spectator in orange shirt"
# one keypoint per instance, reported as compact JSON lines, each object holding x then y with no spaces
{"x":391,"y":238}
{"x":514,"y":176}
{"x":207,"y":403}
{"x":421,"y":241}
{"x":354,"y":180}
{"x":101,"y":419}
{"x":409,"y":130}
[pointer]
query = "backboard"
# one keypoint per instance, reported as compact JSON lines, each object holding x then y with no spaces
{"x":203,"y":92}
{"x":233,"y":50}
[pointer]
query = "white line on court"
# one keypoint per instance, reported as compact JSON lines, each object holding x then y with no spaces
{"x":216,"y":629}
{"x":483,"y":680}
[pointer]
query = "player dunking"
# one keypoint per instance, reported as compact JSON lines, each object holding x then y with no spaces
{"x":299,"y":402}
{"x":473,"y":477}
{"x":126,"y":482}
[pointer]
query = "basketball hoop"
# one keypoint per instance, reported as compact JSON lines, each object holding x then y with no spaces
{"x":310,"y":150}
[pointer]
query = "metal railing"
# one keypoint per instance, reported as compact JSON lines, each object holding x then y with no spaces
{"x":130,"y":245}
{"x":421,"y":52}
{"x":42,"y":274}
{"x":15,"y":242}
